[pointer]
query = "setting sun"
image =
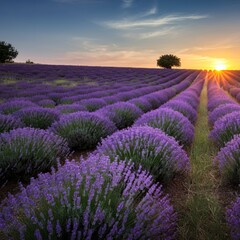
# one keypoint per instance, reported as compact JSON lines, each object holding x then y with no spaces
{"x":220,"y":65}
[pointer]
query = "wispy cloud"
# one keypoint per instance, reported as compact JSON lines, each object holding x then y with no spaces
{"x":127,"y":3}
{"x":150,"y":34}
{"x":170,"y":19}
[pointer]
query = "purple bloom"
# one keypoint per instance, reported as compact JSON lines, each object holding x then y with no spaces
{"x":8,"y":123}
{"x":123,"y":114}
{"x":186,"y":109}
{"x":142,"y":103}
{"x":221,"y":111}
{"x":119,"y":208}
{"x":171,"y":122}
{"x":83,"y":130}
{"x":233,"y":219}
{"x":37,"y":117}
{"x":70,"y":108}
{"x":225,"y":128}
{"x":151,"y":148}
{"x":93,"y":104}
{"x":29,"y":151}
{"x":47,"y":103}
{"x":228,"y":159}
{"x":15,"y":105}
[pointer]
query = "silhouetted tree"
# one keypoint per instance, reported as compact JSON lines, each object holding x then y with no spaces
{"x":168,"y":61}
{"x":7,"y":52}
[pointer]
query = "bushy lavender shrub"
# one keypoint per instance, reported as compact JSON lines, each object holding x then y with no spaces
{"x":151,"y":148}
{"x":186,"y":109}
{"x":123,"y":114}
{"x":47,"y":103}
{"x":228,"y":159}
{"x":233,"y":219}
{"x":218,"y":101}
{"x":93,"y":104}
{"x":37,"y":117}
{"x":225,"y":128}
{"x":83,"y":130}
{"x":28,"y":151}
{"x":171,"y":122}
{"x":221,"y":111}
{"x":142,"y":103}
{"x":70,"y":108}
{"x":15,"y":105}
{"x":94,"y":199}
{"x":8,"y":123}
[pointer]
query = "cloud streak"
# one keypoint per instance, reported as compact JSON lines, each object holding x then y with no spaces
{"x":137,"y":24}
{"x":127,"y":3}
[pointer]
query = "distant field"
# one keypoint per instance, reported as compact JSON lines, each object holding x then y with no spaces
{"x":129,"y":130}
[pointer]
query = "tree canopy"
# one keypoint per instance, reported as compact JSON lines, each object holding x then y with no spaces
{"x":7,"y":52}
{"x":168,"y":61}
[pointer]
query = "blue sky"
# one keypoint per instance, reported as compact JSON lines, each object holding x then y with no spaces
{"x":123,"y":32}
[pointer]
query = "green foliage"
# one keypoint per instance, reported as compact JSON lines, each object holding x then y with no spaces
{"x":29,"y":61}
{"x":168,"y":61}
{"x":7,"y":52}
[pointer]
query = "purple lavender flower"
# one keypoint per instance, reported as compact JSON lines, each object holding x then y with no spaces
{"x":149,"y":147}
{"x":93,"y":104}
{"x":233,"y":219}
{"x":8,"y":123}
{"x":221,"y":111}
{"x":47,"y":103}
{"x":225,"y":128}
{"x":123,"y":114}
{"x":15,"y":105}
{"x":37,"y":117}
{"x":142,"y":103}
{"x":186,"y":109}
{"x":145,"y":212}
{"x":29,"y":151}
{"x":70,"y":108}
{"x":228,"y":159}
{"x":171,"y":122}
{"x":83,"y":130}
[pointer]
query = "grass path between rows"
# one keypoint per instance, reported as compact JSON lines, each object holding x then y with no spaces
{"x":203,"y":216}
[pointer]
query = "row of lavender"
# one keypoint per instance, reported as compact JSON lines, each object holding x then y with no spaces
{"x":113,"y":194}
{"x":224,"y":117}
{"x":230,"y":81}
{"x":27,"y":151}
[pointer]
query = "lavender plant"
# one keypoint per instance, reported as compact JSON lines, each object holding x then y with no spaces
{"x":47,"y":103}
{"x":171,"y":122}
{"x":37,"y":117}
{"x":8,"y":123}
{"x":225,"y":128}
{"x":141,"y":103}
{"x":221,"y":111}
{"x":228,"y":159}
{"x":151,"y":148}
{"x":83,"y":130}
{"x":94,"y":199}
{"x":233,"y":219}
{"x":123,"y":114}
{"x":186,"y":109}
{"x":28,"y":151}
{"x":70,"y":108}
{"x":15,"y":105}
{"x":93,"y":104}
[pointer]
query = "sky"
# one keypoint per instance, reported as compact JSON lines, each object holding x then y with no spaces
{"x":123,"y":33}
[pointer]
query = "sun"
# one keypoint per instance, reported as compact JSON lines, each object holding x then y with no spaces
{"x":220,"y":65}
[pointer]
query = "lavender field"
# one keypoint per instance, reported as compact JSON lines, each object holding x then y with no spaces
{"x":118,"y":153}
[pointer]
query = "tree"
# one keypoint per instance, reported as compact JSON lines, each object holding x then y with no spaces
{"x":7,"y":52}
{"x":168,"y":61}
